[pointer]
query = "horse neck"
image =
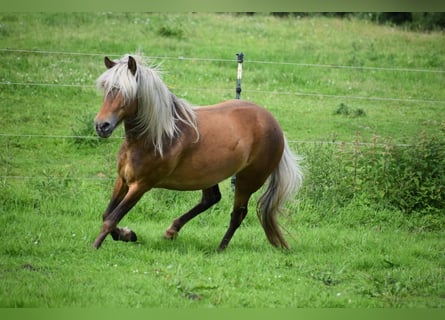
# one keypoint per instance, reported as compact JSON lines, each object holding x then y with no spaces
{"x":133,"y":132}
{"x":130,"y":129}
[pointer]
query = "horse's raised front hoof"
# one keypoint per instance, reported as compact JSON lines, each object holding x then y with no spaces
{"x":124,"y":234}
{"x":170,"y":234}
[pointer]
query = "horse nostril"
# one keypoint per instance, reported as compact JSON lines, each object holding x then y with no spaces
{"x":104,"y":127}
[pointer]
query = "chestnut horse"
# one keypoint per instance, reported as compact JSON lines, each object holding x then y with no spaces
{"x":169,"y":144}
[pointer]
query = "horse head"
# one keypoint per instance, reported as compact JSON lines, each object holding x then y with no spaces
{"x":119,"y":83}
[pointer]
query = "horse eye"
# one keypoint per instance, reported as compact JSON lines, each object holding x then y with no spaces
{"x":114,"y":93}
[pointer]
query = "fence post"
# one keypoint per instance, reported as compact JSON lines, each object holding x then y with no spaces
{"x":238,"y":94}
{"x":239,"y":75}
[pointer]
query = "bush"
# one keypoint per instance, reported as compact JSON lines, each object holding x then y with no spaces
{"x":418,"y":21}
{"x":428,"y":21}
{"x":415,"y":176}
{"x":410,"y":178}
{"x":172,"y":27}
{"x":344,"y":110}
{"x":422,"y":21}
{"x":327,"y":184}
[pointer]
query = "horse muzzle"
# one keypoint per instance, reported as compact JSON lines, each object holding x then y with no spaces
{"x":104,"y":129}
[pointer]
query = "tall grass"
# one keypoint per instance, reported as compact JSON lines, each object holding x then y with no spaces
{"x":407,"y":177}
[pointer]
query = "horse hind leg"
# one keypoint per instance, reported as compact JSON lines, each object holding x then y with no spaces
{"x":236,"y":218}
{"x":246,"y":184}
{"x":210,"y":197}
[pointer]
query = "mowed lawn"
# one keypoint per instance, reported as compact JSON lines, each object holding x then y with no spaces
{"x":326,"y":80}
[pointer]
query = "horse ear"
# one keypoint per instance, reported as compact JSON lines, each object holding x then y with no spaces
{"x":108,"y":63}
{"x":132,"y":65}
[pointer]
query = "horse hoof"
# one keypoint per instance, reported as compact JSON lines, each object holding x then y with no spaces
{"x":124,"y":234}
{"x":170,"y":234}
{"x":132,"y":236}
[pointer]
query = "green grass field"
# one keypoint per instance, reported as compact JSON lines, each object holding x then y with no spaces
{"x":326,"y":80}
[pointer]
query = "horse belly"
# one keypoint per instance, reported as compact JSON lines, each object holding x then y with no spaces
{"x":204,"y":168}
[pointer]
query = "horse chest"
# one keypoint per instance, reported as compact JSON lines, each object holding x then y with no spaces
{"x":135,"y":165}
{"x":125,"y":167}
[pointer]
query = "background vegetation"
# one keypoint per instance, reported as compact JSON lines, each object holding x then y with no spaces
{"x":362,"y":102}
{"x":417,"y":21}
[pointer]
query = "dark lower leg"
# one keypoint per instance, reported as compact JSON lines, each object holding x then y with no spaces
{"x":112,"y":219}
{"x":119,"y":192}
{"x":237,"y":217}
{"x":209,"y":198}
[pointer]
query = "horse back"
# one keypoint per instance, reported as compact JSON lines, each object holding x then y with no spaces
{"x":235,"y":122}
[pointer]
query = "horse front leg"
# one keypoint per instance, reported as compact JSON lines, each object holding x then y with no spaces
{"x":119,"y":192}
{"x":116,"y":211}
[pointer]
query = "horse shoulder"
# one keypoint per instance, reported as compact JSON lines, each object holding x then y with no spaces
{"x":138,"y":161}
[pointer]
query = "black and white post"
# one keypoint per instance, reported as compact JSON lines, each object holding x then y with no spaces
{"x":240,"y":74}
{"x":238,"y":94}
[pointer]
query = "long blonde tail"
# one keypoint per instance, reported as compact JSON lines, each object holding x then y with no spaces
{"x":284,"y":183}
